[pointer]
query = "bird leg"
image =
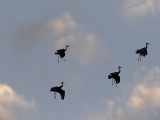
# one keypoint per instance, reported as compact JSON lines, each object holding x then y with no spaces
{"x":55,"y":95}
{"x":115,"y":83}
{"x":58,"y":59}
{"x":139,"y":58}
{"x":112,"y":81}
{"x":63,"y":59}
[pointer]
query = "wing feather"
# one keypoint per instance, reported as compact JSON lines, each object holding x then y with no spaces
{"x":62,"y":93}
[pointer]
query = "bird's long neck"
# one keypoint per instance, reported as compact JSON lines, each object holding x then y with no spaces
{"x":119,"y":70}
{"x":61,"y":85}
{"x":66,"y":48}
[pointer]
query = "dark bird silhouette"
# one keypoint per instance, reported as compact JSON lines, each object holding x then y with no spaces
{"x":61,"y":53}
{"x":142,"y":52}
{"x":58,"y":90}
{"x":115,"y":76}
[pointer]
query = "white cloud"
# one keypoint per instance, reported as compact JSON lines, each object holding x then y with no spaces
{"x":144,"y":95}
{"x":141,"y":7}
{"x":62,"y":24}
{"x":143,"y":102}
{"x":84,"y":45}
{"x":9,"y":100}
{"x":60,"y":31}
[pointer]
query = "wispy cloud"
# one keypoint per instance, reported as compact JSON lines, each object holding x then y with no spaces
{"x":62,"y":24}
{"x":143,"y":102}
{"x":60,"y":31}
{"x":9,"y":100}
{"x":85,"y":46}
{"x":137,"y":8}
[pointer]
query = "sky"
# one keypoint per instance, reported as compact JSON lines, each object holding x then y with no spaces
{"x":102,"y":35}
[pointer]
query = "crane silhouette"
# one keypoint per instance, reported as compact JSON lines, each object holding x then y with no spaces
{"x":115,"y":76}
{"x":58,"y":90}
{"x":61,"y":53}
{"x":142,"y":52}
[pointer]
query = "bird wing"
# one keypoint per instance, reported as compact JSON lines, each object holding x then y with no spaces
{"x":114,"y":73}
{"x":62,"y":93}
{"x":60,"y":50}
{"x":54,"y":89}
{"x":117,"y":78}
{"x":144,"y":52}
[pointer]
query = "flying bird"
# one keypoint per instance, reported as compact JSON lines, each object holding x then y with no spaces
{"x":115,"y":76}
{"x":58,"y":90}
{"x":61,"y":53}
{"x":142,"y":52}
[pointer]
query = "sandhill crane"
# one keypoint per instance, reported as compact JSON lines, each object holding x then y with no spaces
{"x":61,"y":53}
{"x":115,"y":76}
{"x":59,"y":90}
{"x":142,"y":52}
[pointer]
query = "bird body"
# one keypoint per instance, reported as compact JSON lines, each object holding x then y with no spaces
{"x":115,"y":76}
{"x":61,"y":53}
{"x":58,"y":90}
{"x":142,"y":52}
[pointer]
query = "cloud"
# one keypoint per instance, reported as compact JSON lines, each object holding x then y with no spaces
{"x":142,"y":103}
{"x":9,"y":101}
{"x":62,"y":24}
{"x":135,"y":8}
{"x":59,"y":31}
{"x":84,"y":46}
{"x":144,"y":95}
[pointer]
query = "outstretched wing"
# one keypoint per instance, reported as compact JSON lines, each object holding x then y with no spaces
{"x":116,"y":77}
{"x":60,"y":50}
{"x":114,"y":73}
{"x":62,"y":93}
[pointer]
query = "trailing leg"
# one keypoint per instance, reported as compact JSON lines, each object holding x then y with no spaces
{"x":55,"y":95}
{"x":63,"y":59}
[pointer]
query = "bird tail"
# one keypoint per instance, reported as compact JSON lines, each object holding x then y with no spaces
{"x":56,"y":53}
{"x":109,"y":77}
{"x":137,"y":51}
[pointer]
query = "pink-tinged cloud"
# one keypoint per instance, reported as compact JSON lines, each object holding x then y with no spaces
{"x":143,"y":102}
{"x":60,"y":31}
{"x":10,"y":100}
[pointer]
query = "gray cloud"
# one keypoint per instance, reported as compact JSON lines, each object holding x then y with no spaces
{"x":134,"y":8}
{"x":143,"y":103}
{"x":59,"y":31}
{"x":85,"y":46}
